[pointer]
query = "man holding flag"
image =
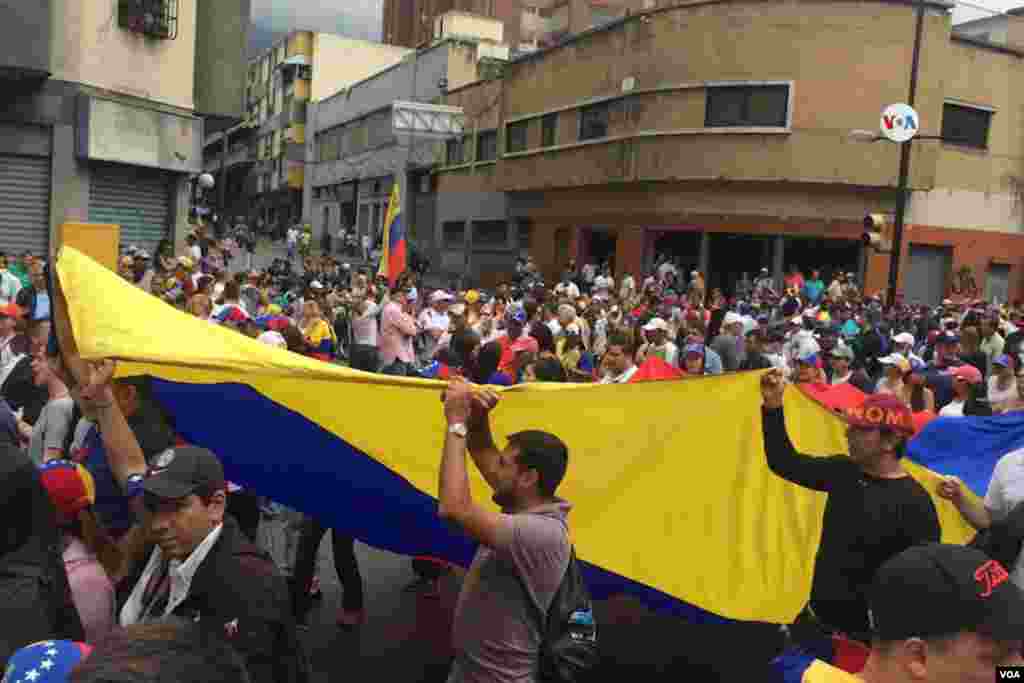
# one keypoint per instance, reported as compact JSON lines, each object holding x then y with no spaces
{"x":393,"y":254}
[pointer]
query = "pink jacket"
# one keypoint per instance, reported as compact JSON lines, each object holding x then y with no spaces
{"x":91,"y":590}
{"x":397,"y":330}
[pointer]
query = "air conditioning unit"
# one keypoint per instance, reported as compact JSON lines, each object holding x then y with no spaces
{"x":878,"y":232}
{"x":152,"y":18}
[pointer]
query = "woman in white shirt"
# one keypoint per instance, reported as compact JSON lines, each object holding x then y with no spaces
{"x":1002,"y":385}
{"x":966,"y":383}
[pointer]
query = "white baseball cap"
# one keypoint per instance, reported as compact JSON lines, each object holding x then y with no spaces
{"x":732,"y":318}
{"x":904,"y":338}
{"x":656,"y":324}
{"x":440,"y":295}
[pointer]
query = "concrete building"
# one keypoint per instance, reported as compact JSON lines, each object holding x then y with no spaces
{"x":719,"y":132}
{"x":386,"y":126}
{"x":527,"y":24}
{"x":102,"y":113}
{"x":998,"y":29}
{"x":261,"y":161}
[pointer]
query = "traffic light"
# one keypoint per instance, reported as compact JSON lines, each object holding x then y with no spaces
{"x":878,"y":229}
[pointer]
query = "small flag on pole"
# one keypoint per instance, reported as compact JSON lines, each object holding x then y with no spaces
{"x":393,"y":258}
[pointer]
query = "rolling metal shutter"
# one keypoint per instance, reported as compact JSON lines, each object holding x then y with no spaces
{"x":24,"y":204}
{"x":138,"y":199}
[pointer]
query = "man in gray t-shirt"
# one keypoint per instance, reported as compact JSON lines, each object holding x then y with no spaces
{"x":524,"y":549}
{"x":50,"y":430}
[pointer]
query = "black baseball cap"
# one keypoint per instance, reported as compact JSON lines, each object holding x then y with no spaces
{"x":181,"y":471}
{"x":939,"y":590}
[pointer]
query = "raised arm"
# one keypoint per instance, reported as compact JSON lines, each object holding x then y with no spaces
{"x":783,"y":459}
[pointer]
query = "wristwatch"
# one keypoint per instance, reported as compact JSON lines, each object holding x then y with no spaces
{"x":458,"y":429}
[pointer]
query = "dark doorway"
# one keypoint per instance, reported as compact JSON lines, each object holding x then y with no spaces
{"x":827,"y":256}
{"x":680,"y":246}
{"x":731,"y":255}
{"x":600,"y":248}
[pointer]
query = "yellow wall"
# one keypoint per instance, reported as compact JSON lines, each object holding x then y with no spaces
{"x":89,"y":47}
{"x":300,"y":44}
{"x":301,"y":89}
{"x":340,"y":62}
{"x":297,"y":133}
{"x":295,"y":177}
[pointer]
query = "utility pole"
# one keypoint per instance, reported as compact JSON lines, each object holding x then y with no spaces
{"x":902,"y":190}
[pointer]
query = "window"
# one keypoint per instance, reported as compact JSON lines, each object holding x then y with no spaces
{"x":747,"y":106}
{"x":490,"y":233}
{"x":154,"y":18}
{"x":967,"y":126}
{"x":516,"y":137}
{"x":487,"y":145}
{"x":549,"y":130}
{"x":454,"y":234}
{"x":455,"y":152}
{"x":594,"y":122}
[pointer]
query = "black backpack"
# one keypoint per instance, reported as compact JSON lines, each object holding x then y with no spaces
{"x":568,"y":648}
{"x":1002,"y":540}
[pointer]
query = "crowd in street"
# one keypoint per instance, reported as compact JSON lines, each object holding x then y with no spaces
{"x":138,"y":556}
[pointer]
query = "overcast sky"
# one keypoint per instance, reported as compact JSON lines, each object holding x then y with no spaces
{"x":352,"y":18}
{"x":975,"y":9}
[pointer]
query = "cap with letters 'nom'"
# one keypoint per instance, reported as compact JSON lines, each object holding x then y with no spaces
{"x":181,"y":471}
{"x":881,"y":411}
{"x":942,"y":589}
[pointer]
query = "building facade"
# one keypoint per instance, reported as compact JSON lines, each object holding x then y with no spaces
{"x":527,"y":24}
{"x":390,"y":126}
{"x":707,"y":132}
{"x":261,"y":161}
{"x":83,"y":142}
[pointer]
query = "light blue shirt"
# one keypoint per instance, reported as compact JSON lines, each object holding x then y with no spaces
{"x":42,"y":311}
{"x":712,"y":362}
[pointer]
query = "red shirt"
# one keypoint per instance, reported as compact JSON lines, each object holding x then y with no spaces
{"x":509,"y":349}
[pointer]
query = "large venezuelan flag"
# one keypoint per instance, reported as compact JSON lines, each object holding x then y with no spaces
{"x":673,"y":501}
{"x":393,"y":256}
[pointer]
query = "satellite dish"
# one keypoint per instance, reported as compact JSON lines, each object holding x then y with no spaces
{"x":206,"y":181}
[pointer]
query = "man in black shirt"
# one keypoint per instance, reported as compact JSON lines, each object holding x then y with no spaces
{"x":874,"y":508}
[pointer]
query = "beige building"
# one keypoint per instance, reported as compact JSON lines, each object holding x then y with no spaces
{"x":104,"y":112}
{"x":526,"y":24}
{"x":718,"y":133}
{"x":262,"y":161}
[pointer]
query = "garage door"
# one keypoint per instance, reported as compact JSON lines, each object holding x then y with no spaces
{"x":927,"y":274}
{"x":24,"y":204}
{"x":138,"y":199}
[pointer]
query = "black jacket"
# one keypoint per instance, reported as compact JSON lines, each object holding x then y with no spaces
{"x":237,"y":587}
{"x":26,"y":298}
{"x":35,"y":598}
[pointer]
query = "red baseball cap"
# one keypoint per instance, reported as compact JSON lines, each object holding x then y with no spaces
{"x":881,"y":411}
{"x":70,"y":486}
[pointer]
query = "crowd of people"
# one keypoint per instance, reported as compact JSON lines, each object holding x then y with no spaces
{"x":137,"y":547}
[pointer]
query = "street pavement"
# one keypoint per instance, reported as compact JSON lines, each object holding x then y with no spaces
{"x":406,"y":637}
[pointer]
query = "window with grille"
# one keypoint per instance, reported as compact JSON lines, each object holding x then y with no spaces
{"x":487,"y":145}
{"x":549,"y":130}
{"x":515,"y":137}
{"x":967,"y":126}
{"x":594,"y":122}
{"x":154,"y":18}
{"x":454,"y":152}
{"x":759,"y":106}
